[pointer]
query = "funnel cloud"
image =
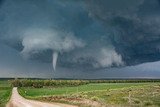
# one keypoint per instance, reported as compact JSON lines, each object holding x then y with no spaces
{"x":55,"y":57}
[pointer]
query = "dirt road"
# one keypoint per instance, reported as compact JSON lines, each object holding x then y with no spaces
{"x":18,"y":101}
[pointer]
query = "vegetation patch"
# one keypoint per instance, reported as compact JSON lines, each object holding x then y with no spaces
{"x":99,"y":94}
{"x":5,"y":92}
{"x":46,"y":83}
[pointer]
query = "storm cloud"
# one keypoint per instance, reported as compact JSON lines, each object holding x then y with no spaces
{"x":135,"y":27}
{"x":92,"y":34}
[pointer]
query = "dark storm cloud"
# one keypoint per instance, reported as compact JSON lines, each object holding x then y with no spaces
{"x":1,"y":1}
{"x":135,"y":25}
{"x":90,"y":34}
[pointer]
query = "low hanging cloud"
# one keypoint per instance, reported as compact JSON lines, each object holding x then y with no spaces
{"x":36,"y":40}
{"x":108,"y":58}
{"x":98,"y":58}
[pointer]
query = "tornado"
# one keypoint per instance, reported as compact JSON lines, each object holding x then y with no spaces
{"x":54,"y":61}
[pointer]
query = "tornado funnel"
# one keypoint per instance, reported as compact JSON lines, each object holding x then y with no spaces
{"x":55,"y":57}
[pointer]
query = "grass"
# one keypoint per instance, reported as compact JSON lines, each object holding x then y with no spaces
{"x":5,"y":92}
{"x":4,"y":95}
{"x":135,"y":96}
{"x":4,"y":84}
{"x":141,"y":96}
{"x":108,"y":94}
{"x":38,"y":92}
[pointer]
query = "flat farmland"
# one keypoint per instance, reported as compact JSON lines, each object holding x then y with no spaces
{"x":99,"y":94}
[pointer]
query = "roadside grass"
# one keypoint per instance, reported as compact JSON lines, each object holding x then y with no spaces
{"x":5,"y":83}
{"x":106,"y":94}
{"x":5,"y":93}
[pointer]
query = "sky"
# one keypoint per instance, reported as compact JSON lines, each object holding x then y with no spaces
{"x":87,"y":39}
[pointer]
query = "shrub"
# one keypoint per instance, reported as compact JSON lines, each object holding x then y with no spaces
{"x":136,"y":101}
{"x":16,"y":83}
{"x":94,"y":98}
{"x":147,"y":103}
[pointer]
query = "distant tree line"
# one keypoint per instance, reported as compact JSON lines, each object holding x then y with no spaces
{"x":46,"y":83}
{"x":61,"y":83}
{"x":125,"y":81}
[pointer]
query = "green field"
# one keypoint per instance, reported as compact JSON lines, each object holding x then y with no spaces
{"x":37,"y":92}
{"x":106,"y":94}
{"x":5,"y":92}
{"x":92,"y":94}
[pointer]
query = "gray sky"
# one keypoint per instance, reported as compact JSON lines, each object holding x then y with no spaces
{"x":80,"y":39}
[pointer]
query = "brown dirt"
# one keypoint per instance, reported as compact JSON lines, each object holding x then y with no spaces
{"x":73,"y":100}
